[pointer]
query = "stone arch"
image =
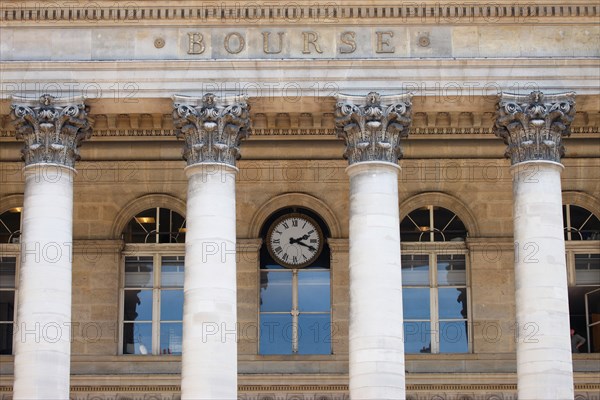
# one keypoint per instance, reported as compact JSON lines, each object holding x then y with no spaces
{"x":289,"y":200}
{"x":443,"y":200}
{"x":143,"y":203}
{"x":582,"y":199}
{"x":11,"y":201}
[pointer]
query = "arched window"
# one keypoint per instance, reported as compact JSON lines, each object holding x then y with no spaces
{"x":10,"y":235}
{"x":434,"y":281}
{"x":152,"y":293}
{"x":582,"y":243}
{"x":295,"y":293}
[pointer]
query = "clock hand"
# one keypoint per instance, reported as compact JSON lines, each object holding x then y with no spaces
{"x":305,"y":245}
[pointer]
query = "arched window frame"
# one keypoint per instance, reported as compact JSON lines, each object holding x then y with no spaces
{"x":9,"y":275}
{"x":582,"y":249}
{"x":323,"y":331}
{"x":158,"y":254}
{"x":436,"y":251}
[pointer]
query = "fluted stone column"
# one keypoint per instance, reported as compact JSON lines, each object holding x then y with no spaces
{"x":533,"y":126}
{"x":52,"y":130}
{"x":212,"y":129}
{"x":372,"y":127}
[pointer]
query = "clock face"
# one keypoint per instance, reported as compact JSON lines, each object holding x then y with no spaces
{"x":294,"y":240}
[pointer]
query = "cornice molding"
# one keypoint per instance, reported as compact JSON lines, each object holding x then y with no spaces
{"x":424,"y":125}
{"x":253,"y":13}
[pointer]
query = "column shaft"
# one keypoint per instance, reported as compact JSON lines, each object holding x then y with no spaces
{"x":42,"y":335}
{"x":376,"y":328}
{"x":209,"y":360}
{"x":544,"y":365}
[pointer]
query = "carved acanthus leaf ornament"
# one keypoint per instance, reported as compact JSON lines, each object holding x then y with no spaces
{"x":532,"y":126}
{"x":212,"y":127}
{"x":52,"y":129}
{"x":372,"y":126}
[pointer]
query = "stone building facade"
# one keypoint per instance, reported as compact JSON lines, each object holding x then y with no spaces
{"x":432,"y":169}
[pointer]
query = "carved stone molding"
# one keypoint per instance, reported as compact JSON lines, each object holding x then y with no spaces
{"x":372,"y":126}
{"x":52,"y":128}
{"x":296,"y":12}
{"x":533,"y":125}
{"x":212,"y":127}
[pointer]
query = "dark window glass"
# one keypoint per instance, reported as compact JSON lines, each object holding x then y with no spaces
{"x":451,"y":270}
{"x":10,"y":226}
{"x":137,"y":338}
{"x":171,"y":305}
{"x":415,"y":270}
{"x":171,"y":335}
{"x":452,"y":303}
{"x":137,"y":305}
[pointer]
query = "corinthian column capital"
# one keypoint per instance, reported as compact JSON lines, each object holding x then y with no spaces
{"x":212,"y":127}
{"x":373,"y":125}
{"x":533,"y":125}
{"x":52,"y":128}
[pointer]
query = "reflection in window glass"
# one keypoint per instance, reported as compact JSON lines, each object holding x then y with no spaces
{"x":275,"y":290}
{"x":451,"y":269}
{"x":313,"y":291}
{"x":171,"y":335}
{"x":153,"y":298}
{"x":587,"y":269}
{"x":453,"y":337}
{"x":415,"y":269}
{"x":417,"y":337}
{"x":416,"y":303}
{"x":314,"y":334}
{"x":276,"y":333}
{"x":137,"y":305}
{"x":452,"y":303}
{"x":138,"y":338}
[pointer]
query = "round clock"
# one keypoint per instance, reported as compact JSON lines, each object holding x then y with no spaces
{"x":295,"y":240}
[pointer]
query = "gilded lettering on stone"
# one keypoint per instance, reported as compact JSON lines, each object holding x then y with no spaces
{"x":241,"y":43}
{"x":266,"y":45}
{"x":381,"y":42}
{"x":311,"y":37}
{"x":348,"y":38}
{"x":532,"y":126}
{"x":195,"y":43}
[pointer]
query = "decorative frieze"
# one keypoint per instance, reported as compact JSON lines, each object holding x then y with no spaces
{"x":52,"y":128}
{"x":532,"y":126}
{"x":372,"y":126}
{"x":212,"y":127}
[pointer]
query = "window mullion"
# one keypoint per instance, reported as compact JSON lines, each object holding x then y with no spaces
{"x":295,"y":311}
{"x":435,"y":339}
{"x":156,"y":306}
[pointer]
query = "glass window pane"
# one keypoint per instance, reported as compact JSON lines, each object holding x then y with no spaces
{"x":415,"y":269}
{"x":275,"y":290}
{"x":452,"y":303}
{"x":170,"y":338}
{"x":314,"y":334}
{"x":7,"y":305}
{"x":138,"y":272}
{"x":587,"y":269}
{"x":451,"y":269}
{"x":171,"y":271}
{"x":313,"y":291}
{"x":6,"y":338}
{"x":8,"y":266}
{"x":171,"y":305}
{"x":417,"y":337}
{"x":137,"y":338}
{"x":276,"y":334}
{"x":137,"y":305}
{"x":416,"y":303}
{"x":453,"y":337}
